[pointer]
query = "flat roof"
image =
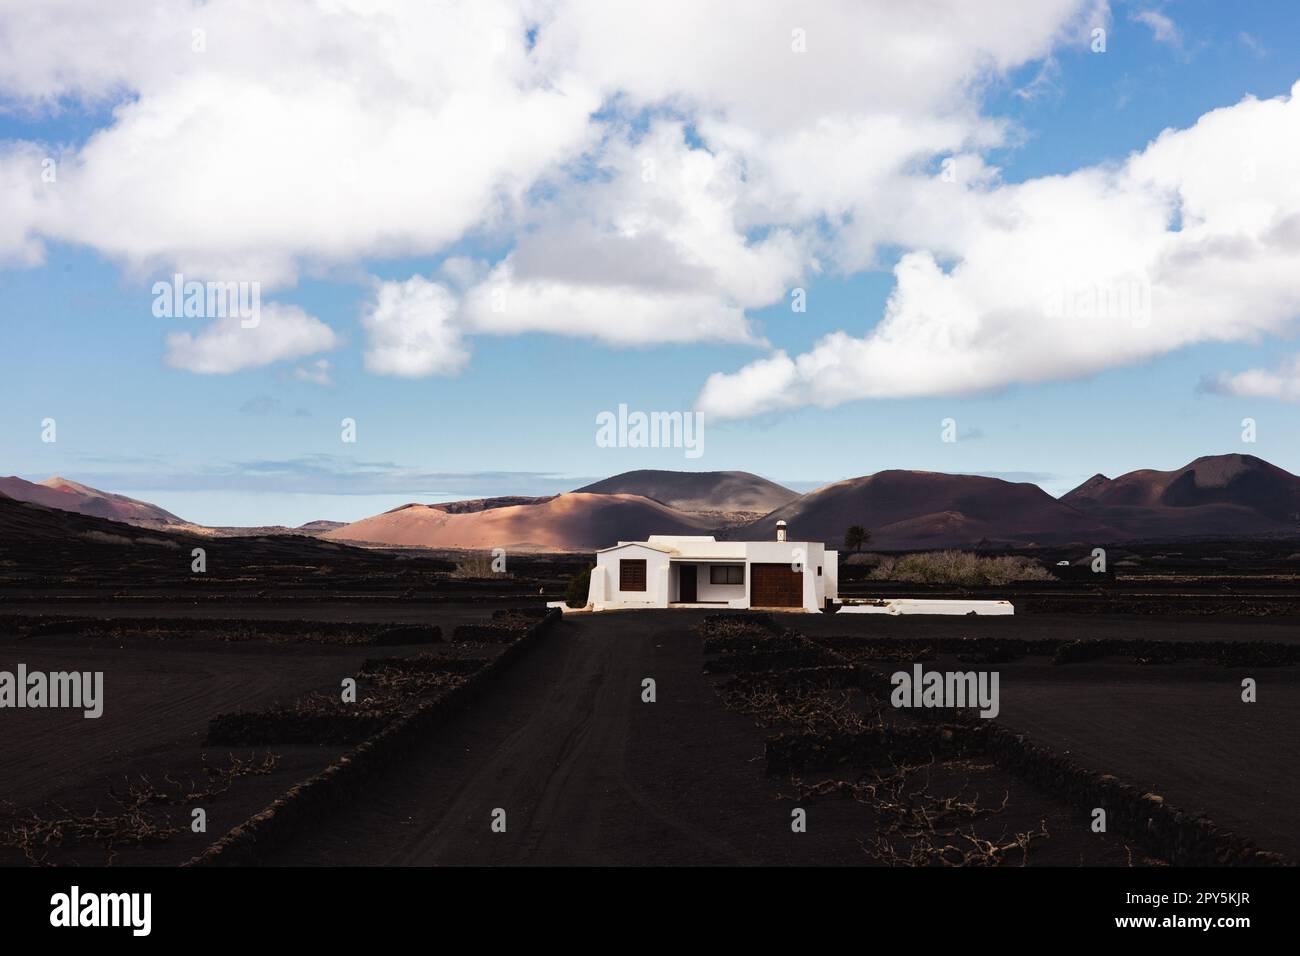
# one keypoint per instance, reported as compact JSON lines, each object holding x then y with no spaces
{"x":710,"y":548}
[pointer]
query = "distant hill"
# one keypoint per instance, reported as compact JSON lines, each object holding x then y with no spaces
{"x":1086,"y":493}
{"x":320,"y":525}
{"x":1213,"y":495}
{"x":35,"y":537}
{"x":921,"y":509}
{"x":698,"y":491}
{"x":572,"y":522}
{"x":67,"y":495}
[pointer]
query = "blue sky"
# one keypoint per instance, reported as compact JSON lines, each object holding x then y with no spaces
{"x":260,"y":445}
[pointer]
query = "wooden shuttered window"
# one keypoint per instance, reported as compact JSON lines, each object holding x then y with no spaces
{"x":631,"y":574}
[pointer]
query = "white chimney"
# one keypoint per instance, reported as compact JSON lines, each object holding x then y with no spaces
{"x":780,"y":531}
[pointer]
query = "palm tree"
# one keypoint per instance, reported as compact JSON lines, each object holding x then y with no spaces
{"x":856,"y":538}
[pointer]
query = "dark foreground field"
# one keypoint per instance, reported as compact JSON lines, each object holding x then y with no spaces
{"x":222,"y":694}
{"x":588,"y":773}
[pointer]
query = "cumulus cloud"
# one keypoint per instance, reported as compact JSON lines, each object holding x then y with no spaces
{"x":1192,"y":239}
{"x":411,"y":332}
{"x":248,"y":141}
{"x":785,"y":64}
{"x":300,"y":131}
{"x":650,"y":250}
{"x":24,"y":172}
{"x":648,"y":174}
{"x":282,"y":332}
{"x":1280,"y":384}
{"x":646,"y":250}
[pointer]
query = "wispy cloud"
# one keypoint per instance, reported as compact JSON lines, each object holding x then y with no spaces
{"x":1252,"y":43}
{"x":260,"y":405}
{"x":334,"y":475}
{"x":1163,"y":29}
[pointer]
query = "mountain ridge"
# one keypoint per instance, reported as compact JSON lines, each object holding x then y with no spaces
{"x":905,"y":509}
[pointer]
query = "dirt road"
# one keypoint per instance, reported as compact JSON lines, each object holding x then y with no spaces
{"x":586,"y":772}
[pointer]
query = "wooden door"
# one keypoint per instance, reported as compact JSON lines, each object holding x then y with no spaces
{"x":775,"y":585}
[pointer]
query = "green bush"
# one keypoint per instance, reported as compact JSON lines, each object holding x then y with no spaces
{"x":576,"y":594}
{"x":958,"y":567}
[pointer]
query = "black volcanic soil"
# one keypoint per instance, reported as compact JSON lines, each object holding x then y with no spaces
{"x":164,"y":680}
{"x":589,"y":774}
{"x":586,"y":771}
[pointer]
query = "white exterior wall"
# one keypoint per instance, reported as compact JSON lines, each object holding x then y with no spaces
{"x":707,"y":591}
{"x":832,"y":575}
{"x":662,"y":571}
{"x":606,"y":593}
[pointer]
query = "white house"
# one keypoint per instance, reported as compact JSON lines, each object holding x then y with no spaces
{"x":699,"y":571}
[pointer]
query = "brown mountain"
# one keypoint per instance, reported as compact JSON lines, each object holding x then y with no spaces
{"x":319,"y":525}
{"x":1213,"y":495}
{"x":710,"y":491}
{"x":922,"y":509}
{"x":68,"y":495}
{"x":572,"y":522}
{"x":1086,"y":492}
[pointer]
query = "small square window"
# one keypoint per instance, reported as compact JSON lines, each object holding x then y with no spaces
{"x":819,"y":570}
{"x":726,"y":574}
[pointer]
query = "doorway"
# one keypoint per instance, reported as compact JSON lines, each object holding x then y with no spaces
{"x":687,"y":583}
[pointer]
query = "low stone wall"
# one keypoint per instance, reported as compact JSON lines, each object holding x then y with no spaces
{"x":416,"y":634}
{"x":485,"y":633}
{"x":289,"y":726}
{"x":1181,"y":838}
{"x":306,"y":804}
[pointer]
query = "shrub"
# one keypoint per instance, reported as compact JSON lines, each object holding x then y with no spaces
{"x":576,"y":594}
{"x":958,"y":567}
{"x":475,"y":566}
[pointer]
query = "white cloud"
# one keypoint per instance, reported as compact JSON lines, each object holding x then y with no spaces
{"x":324,"y":131}
{"x":908,"y":59}
{"x":21,"y":186}
{"x":304,"y":132}
{"x":1252,"y":43}
{"x":1163,"y":29}
{"x":282,"y":332}
{"x":1281,"y":384}
{"x":645,"y":251}
{"x":1193,"y":239}
{"x":316,"y":133}
{"x":317,"y":372}
{"x":650,"y":250}
{"x":330,"y":131}
{"x":411,"y":332}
